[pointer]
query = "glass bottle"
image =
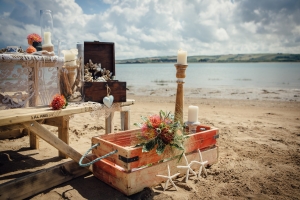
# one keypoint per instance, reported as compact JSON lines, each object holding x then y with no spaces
{"x":46,"y":23}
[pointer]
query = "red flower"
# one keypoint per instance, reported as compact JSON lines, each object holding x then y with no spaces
{"x":58,"y":102}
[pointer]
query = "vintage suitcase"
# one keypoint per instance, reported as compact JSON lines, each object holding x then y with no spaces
{"x":104,"y":53}
{"x":130,"y":170}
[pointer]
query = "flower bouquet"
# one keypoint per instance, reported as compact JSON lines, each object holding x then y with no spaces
{"x":58,"y":102}
{"x":35,"y":43}
{"x":161,"y":131}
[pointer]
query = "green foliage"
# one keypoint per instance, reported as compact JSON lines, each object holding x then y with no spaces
{"x":160,"y":131}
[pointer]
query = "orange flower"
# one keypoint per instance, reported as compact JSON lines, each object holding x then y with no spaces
{"x":34,"y":37}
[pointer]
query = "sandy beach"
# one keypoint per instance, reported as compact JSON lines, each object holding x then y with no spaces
{"x":259,"y":147}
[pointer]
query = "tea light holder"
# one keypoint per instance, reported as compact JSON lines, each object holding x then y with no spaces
{"x":192,"y":126}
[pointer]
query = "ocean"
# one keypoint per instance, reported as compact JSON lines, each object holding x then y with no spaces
{"x":213,"y":75}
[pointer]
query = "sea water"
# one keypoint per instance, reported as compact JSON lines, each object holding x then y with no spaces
{"x":213,"y":75}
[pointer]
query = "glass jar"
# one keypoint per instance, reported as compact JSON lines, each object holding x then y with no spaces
{"x":46,"y":23}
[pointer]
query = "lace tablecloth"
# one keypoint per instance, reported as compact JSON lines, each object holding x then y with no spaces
{"x":28,"y":80}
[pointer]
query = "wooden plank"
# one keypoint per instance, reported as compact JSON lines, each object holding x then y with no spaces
{"x":19,"y":115}
{"x":46,"y":135}
{"x":11,"y":131}
{"x":39,"y":181}
{"x":133,"y":182}
{"x":54,"y":122}
{"x":128,"y":102}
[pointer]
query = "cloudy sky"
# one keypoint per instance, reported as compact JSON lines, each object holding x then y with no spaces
{"x":147,"y":28}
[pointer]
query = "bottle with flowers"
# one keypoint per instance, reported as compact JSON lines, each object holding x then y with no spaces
{"x":34,"y":41}
{"x":159,"y":131}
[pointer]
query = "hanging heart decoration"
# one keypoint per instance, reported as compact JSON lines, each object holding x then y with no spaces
{"x":109,"y":99}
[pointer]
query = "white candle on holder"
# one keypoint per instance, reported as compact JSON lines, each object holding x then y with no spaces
{"x":70,"y":57}
{"x":47,"y":42}
{"x":193,"y":114}
{"x":47,"y":38}
{"x":182,"y":57}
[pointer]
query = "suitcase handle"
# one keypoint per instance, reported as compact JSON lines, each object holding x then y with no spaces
{"x":97,"y":159}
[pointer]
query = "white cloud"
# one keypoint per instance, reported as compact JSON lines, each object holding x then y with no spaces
{"x":160,"y":27}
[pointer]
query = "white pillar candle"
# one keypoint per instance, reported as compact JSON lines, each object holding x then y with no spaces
{"x":182,"y":57}
{"x":193,"y":114}
{"x":70,"y":57}
{"x":47,"y":39}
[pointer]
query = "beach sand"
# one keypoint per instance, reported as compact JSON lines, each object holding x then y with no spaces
{"x":259,"y":147}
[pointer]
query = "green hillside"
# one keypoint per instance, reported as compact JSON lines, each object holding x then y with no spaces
{"x":279,"y":57}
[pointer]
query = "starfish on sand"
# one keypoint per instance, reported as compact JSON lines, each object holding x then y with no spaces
{"x":202,"y":167}
{"x":188,"y":168}
{"x":169,"y":177}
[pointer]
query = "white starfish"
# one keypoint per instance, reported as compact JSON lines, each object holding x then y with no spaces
{"x":202,"y":167}
{"x":169,"y":177}
{"x":188,"y":167}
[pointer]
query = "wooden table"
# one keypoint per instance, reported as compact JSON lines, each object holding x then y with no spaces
{"x":31,"y":118}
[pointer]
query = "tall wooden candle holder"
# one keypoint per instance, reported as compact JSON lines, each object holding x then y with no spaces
{"x":180,"y":75}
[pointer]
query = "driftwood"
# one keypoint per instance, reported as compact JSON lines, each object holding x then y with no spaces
{"x":66,"y":89}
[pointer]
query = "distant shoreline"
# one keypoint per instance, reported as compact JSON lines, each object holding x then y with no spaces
{"x":230,"y":58}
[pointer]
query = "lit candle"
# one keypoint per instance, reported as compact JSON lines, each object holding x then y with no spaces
{"x":182,"y":57}
{"x":193,"y":114}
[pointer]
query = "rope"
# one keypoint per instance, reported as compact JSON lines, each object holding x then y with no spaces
{"x":108,"y":90}
{"x":97,"y":159}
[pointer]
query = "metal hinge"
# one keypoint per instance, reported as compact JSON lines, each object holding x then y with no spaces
{"x":216,"y":136}
{"x":128,"y":160}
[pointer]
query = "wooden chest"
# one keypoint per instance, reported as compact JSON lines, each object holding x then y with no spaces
{"x":130,"y":170}
{"x":104,"y":53}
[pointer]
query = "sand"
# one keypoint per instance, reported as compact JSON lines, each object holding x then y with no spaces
{"x":259,"y":147}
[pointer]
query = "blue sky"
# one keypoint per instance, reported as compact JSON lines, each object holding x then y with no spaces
{"x":148,"y":28}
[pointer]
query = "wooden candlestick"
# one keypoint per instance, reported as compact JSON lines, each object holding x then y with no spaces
{"x":180,"y":75}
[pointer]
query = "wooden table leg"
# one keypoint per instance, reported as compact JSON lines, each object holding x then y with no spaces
{"x":33,"y":140}
{"x":63,"y":130}
{"x":125,"y":118}
{"x":109,"y":123}
{"x":63,"y":133}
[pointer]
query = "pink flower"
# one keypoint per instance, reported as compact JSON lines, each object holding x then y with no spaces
{"x":155,"y":120}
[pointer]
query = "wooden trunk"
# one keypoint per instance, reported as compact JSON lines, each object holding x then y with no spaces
{"x":104,"y":53}
{"x":130,"y":170}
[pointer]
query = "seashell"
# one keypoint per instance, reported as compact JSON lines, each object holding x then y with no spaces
{"x":100,"y":79}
